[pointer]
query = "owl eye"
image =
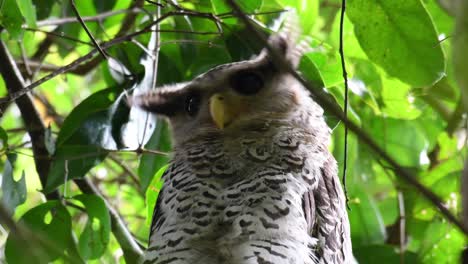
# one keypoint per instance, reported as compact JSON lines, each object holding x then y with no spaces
{"x":192,"y":104}
{"x":247,"y":83}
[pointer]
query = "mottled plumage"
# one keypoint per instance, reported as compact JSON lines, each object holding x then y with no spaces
{"x":251,"y":179}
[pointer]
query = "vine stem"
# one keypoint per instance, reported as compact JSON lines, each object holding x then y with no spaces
{"x":345,"y":110}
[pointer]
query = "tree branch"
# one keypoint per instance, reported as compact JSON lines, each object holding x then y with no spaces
{"x":32,"y":121}
{"x":329,"y":106}
{"x":36,"y":130}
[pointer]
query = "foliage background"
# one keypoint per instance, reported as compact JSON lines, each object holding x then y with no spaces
{"x":403,"y":92}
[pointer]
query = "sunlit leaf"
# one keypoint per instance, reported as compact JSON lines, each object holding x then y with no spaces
{"x":50,"y":221}
{"x":95,"y":237}
{"x":28,"y":9}
{"x":11,"y":18}
{"x":402,"y":139}
{"x":399,"y":36}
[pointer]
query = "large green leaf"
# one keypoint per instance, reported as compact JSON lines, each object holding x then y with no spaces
{"x":95,"y":236}
{"x":11,"y":18}
{"x":28,"y":9}
{"x":442,"y":243}
{"x":399,"y":36}
{"x":52,"y":223}
{"x":366,"y":221}
{"x":322,"y":65}
{"x":14,"y":192}
{"x":401,"y":139}
{"x":86,"y":135}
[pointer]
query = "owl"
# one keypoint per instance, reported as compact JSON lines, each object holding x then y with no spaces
{"x":251,"y":179}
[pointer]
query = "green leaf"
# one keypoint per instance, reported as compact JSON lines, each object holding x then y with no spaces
{"x":366,"y":222}
{"x":11,"y":18}
{"x":442,"y":243}
{"x":95,"y":236}
{"x":28,"y":9}
{"x":85,"y":123}
{"x":401,"y":139}
{"x":50,"y":221}
{"x":71,"y":162}
{"x":322,"y":65}
{"x":398,"y":100}
{"x":152,"y":193}
{"x":399,"y":36}
{"x":91,"y":129}
{"x":14,"y":192}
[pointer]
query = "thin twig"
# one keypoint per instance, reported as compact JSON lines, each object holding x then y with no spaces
{"x":83,"y":24}
{"x":100,"y":17}
{"x":362,"y":135}
{"x":60,"y":36}
{"x":127,"y":169}
{"x":345,"y":110}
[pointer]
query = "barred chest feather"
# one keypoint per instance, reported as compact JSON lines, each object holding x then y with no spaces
{"x":239,"y":201}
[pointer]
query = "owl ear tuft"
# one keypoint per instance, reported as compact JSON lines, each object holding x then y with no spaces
{"x":286,"y":40}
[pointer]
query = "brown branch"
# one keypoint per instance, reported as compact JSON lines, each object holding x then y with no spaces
{"x":36,"y":130}
{"x":325,"y":103}
{"x":32,"y":121}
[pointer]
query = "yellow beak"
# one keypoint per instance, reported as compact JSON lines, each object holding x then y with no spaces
{"x":222,"y":110}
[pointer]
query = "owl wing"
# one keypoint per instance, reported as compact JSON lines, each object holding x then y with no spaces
{"x":326,"y":216}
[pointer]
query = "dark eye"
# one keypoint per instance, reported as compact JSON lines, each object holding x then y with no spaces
{"x":247,"y":83}
{"x":192,"y":104}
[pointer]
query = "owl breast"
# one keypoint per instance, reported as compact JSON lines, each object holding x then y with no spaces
{"x":238,"y":201}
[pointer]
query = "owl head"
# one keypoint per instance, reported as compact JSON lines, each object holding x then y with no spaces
{"x":232,"y":97}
